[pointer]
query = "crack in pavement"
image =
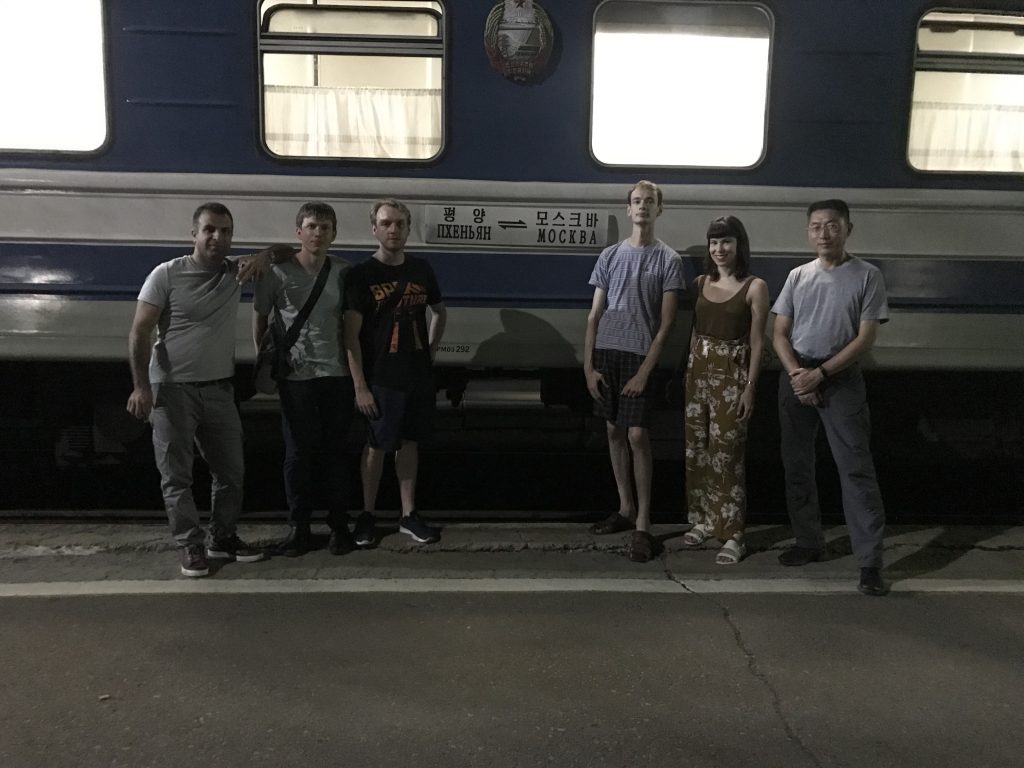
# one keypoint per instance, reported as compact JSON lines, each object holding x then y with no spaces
{"x":752,"y":666}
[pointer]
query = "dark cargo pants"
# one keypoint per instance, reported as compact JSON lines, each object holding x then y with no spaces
{"x":844,"y":413}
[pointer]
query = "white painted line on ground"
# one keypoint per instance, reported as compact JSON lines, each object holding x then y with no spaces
{"x":839,"y":586}
{"x":313,"y":586}
{"x":435,"y":585}
{"x":1004,"y":586}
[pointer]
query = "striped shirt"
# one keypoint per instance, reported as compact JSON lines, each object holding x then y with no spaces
{"x":635,"y":280}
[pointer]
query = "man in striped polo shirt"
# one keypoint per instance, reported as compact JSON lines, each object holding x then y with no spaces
{"x":636,"y":294}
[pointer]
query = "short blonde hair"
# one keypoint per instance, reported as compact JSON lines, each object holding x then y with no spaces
{"x":389,"y":201}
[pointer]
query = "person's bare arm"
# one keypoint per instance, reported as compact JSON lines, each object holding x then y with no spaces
{"x":781,"y":332}
{"x":365,"y":403}
{"x":438,"y":321}
{"x":253,"y":266}
{"x":805,"y":380}
{"x":758,"y":298}
{"x":140,"y":340}
{"x":594,"y":377}
{"x":260,"y":323}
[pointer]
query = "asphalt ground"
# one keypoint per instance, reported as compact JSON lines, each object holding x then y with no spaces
{"x":509,"y":645}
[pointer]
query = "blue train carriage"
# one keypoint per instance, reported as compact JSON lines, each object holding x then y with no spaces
{"x":514,"y":131}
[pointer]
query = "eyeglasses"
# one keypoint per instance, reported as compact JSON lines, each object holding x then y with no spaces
{"x":832,"y":227}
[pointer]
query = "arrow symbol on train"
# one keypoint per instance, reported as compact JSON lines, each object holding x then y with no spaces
{"x":517,"y":224}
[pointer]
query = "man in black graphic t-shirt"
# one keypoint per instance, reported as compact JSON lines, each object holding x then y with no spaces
{"x":391,"y":345}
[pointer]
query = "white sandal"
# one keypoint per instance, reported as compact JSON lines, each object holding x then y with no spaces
{"x":731,"y":553}
{"x":697,"y":535}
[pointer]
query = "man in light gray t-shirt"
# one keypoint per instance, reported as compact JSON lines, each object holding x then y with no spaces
{"x":827,"y":316}
{"x":195,"y":329}
{"x":182,"y":385}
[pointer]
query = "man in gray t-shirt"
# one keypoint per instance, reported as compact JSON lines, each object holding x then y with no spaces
{"x":317,"y":396}
{"x":826,"y":319}
{"x":182,"y":385}
{"x":636,"y":293}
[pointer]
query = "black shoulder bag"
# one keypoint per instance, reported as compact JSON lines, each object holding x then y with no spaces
{"x":272,"y":357}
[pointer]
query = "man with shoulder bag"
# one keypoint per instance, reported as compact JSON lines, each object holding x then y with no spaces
{"x":304,"y":357}
{"x":273,"y":348}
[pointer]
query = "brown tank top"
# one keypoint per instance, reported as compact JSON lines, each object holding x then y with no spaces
{"x":726,"y":320}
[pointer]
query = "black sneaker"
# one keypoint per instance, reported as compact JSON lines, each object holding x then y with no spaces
{"x":296,"y":543}
{"x":340,"y":542}
{"x":871,"y":583}
{"x":413,"y":525}
{"x":233,"y":548}
{"x":193,"y":561}
{"x":797,"y":556}
{"x":366,"y":531}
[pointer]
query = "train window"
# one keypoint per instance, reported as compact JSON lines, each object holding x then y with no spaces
{"x":55,"y":83}
{"x":688,"y":60}
{"x":967,"y":112}
{"x":359,"y":79}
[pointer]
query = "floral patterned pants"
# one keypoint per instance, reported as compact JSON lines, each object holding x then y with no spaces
{"x":715,"y":440}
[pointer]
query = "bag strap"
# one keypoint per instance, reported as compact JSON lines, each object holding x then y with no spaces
{"x":300,"y":319}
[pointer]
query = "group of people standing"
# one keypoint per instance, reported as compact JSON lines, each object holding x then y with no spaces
{"x":367,"y":345}
{"x":360,"y":338}
{"x":826,"y":319}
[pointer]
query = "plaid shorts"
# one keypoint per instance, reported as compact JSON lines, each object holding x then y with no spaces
{"x":617,"y":368}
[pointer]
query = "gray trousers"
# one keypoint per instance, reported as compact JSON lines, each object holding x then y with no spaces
{"x":844,"y":412}
{"x":204,"y":415}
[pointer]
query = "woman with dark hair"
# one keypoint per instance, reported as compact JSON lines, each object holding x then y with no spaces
{"x":721,"y":376}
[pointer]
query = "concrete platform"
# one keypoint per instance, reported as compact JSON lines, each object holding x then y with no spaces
{"x":924,"y":558}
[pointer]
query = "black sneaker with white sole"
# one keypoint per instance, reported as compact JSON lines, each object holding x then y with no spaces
{"x":365,"y":531}
{"x":233,"y":548}
{"x":413,"y":525}
{"x":193,"y":561}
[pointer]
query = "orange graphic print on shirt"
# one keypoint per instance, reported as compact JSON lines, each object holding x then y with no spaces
{"x":413,"y":295}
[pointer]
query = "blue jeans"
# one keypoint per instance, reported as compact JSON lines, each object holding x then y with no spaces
{"x":316,"y":411}
{"x":200,"y":414}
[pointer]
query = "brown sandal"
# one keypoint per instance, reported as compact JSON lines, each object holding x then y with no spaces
{"x":614,"y":523}
{"x":642,"y":547}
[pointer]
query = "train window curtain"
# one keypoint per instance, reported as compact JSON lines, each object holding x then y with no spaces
{"x":968,"y":107}
{"x":359,"y":81}
{"x":396,"y":123}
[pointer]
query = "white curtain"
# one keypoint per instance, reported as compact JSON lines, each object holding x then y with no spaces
{"x":317,"y":121}
{"x":967,"y":137}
